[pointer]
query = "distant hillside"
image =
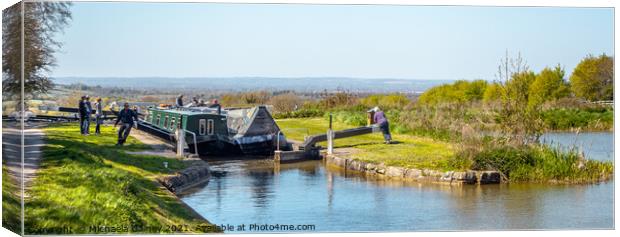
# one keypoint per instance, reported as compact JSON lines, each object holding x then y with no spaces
{"x":260,"y":83}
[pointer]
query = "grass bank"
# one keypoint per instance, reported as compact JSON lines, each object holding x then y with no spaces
{"x":408,"y":151}
{"x":11,"y":203}
{"x":531,"y":163}
{"x":86,"y":182}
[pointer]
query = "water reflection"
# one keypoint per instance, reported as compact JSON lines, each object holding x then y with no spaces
{"x":258,"y":191}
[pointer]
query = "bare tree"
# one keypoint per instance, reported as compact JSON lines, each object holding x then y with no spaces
{"x":510,"y":66}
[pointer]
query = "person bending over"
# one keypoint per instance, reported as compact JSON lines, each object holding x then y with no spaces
{"x":127,"y":117}
{"x":380,"y":119}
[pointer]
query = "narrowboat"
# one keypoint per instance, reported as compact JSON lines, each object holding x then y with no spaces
{"x":217,"y":131}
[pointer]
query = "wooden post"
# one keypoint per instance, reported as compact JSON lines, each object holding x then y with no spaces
{"x":370,"y":118}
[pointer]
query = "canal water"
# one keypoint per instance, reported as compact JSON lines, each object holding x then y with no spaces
{"x":308,"y":195}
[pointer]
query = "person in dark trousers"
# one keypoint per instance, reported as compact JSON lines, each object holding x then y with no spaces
{"x":380,"y":119}
{"x":98,"y":116}
{"x":82,"y":111}
{"x":89,"y":111}
{"x":127,"y":116}
{"x":179,"y":102}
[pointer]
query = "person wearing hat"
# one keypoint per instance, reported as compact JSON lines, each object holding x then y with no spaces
{"x":380,"y":119}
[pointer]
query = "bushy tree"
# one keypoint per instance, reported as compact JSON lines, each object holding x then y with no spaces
{"x":458,"y":92}
{"x":518,"y":87}
{"x":493,"y":92}
{"x":593,"y":78}
{"x":389,"y":101}
{"x":41,"y":22}
{"x":520,"y":123}
{"x":548,"y":85}
{"x":285,"y":103}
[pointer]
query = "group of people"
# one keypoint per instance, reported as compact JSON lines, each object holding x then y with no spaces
{"x":86,"y":110}
{"x":198,"y":103}
{"x":127,"y":117}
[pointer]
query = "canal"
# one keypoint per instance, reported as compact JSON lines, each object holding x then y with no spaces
{"x":257,"y":192}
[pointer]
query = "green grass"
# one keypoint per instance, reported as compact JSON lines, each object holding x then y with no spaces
{"x":408,"y":151}
{"x":86,"y":181}
{"x":11,"y":204}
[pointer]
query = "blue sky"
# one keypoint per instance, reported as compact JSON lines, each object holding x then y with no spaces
{"x":410,"y":42}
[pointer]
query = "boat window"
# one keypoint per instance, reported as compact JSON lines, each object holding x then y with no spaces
{"x":202,"y":126}
{"x":166,"y":122}
{"x":157,"y":121}
{"x":172,"y":123}
{"x":210,"y":127}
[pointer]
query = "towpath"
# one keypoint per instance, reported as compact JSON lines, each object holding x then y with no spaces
{"x":11,"y":151}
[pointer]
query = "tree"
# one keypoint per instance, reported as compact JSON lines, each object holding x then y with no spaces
{"x":460,"y":91}
{"x":548,"y":85}
{"x":593,"y":78}
{"x":41,"y":22}
{"x":494,"y":92}
{"x":521,"y":124}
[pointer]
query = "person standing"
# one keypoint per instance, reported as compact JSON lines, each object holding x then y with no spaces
{"x":127,"y":117}
{"x":89,"y":111}
{"x":82,"y":111}
{"x":98,"y":116}
{"x":216,"y":104}
{"x":179,"y":102}
{"x":380,"y":119}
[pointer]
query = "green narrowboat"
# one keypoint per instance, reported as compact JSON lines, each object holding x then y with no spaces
{"x":217,"y":131}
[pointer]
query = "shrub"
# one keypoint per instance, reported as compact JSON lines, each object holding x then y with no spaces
{"x":285,"y":103}
{"x":541,"y":163}
{"x":385,"y":102}
{"x":458,"y":92}
{"x":302,"y":113}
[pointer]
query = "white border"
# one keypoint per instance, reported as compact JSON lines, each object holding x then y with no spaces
{"x":533,"y":3}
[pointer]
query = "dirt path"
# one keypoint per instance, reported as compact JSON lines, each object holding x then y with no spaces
{"x":158,"y":146}
{"x":11,"y":151}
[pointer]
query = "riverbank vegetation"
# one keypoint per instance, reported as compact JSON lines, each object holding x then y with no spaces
{"x":85,"y":182}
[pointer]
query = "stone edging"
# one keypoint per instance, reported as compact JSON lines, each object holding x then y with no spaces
{"x":186,"y":178}
{"x":421,"y":175}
